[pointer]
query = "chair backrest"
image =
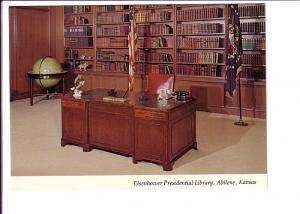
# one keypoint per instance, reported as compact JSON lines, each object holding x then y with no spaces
{"x":157,"y":81}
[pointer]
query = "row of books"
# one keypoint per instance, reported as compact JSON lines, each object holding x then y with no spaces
{"x":78,"y":42}
{"x":199,"y":42}
{"x":76,"y":9}
{"x":112,"y":42}
{"x":253,"y":27}
{"x":199,"y":13}
{"x":141,"y":68}
{"x":112,"y":19}
{"x":78,"y":31}
{"x":153,"y":57}
{"x":254,"y":59}
{"x":112,"y":30}
{"x":251,"y":10}
{"x":111,"y":8}
{"x":76,"y":20}
{"x":157,"y":29}
{"x":152,"y":6}
{"x":197,"y":70}
{"x":71,"y":64}
{"x":112,"y":67}
{"x":160,"y":69}
{"x":152,"y":42}
{"x":71,"y":54}
{"x":160,"y":16}
{"x":197,"y":28}
{"x":253,"y":73}
{"x":105,"y":55}
{"x":254,"y":43}
{"x":203,"y":57}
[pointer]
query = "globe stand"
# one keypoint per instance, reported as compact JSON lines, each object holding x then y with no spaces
{"x":34,"y":76}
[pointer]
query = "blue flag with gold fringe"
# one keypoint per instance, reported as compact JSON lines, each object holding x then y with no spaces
{"x":234,"y":47}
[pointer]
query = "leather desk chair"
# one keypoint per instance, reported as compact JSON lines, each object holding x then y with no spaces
{"x":157,"y":81}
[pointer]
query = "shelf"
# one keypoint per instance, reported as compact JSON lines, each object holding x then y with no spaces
{"x":74,"y":25}
{"x":252,"y":17}
{"x":155,"y":48}
{"x":77,"y":59}
{"x":121,"y":23}
{"x":195,"y":78}
{"x":154,"y":22}
{"x":77,"y":71}
{"x":201,"y":34}
{"x":156,"y":8}
{"x":253,"y":33}
{"x":200,"y":48}
{"x":155,"y":35}
{"x":149,"y":62}
{"x":251,"y":65}
{"x":248,"y":49}
{"x":111,"y":47}
{"x":112,"y":73}
{"x":111,"y":61}
{"x":190,"y":63}
{"x":76,"y":14}
{"x":116,"y":74}
{"x":105,"y":73}
{"x":99,"y":36}
{"x":115,"y":11}
{"x":252,"y":81}
{"x":78,"y":36}
{"x":79,"y":47}
{"x":196,"y":5}
{"x":206,"y":19}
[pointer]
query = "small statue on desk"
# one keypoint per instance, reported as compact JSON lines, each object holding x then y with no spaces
{"x":78,"y":83}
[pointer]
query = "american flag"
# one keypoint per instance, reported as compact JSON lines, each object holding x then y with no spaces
{"x":132,"y":38}
{"x":234,"y":45}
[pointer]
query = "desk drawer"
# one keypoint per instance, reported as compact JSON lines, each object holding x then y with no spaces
{"x":111,"y":108}
{"x":181,"y":111}
{"x":73,"y":104}
{"x":150,"y":115}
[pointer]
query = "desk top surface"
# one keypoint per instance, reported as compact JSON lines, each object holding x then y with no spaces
{"x":97,"y":95}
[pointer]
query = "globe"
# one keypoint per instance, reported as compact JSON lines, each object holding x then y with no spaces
{"x":47,"y":65}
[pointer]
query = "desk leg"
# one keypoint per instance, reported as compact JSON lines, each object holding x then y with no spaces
{"x":168,"y":166}
{"x":31,"y":91}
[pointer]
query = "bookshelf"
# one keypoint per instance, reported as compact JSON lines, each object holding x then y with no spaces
{"x":155,"y":32}
{"x":79,"y":37}
{"x":111,"y":39}
{"x":184,"y":39}
{"x":253,"y":42}
{"x":200,"y":37}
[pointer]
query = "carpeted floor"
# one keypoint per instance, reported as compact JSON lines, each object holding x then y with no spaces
{"x":222,"y":147}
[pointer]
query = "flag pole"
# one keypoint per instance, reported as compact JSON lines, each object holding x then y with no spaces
{"x":240,"y":122}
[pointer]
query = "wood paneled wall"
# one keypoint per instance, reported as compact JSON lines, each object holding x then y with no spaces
{"x":34,"y":32}
{"x":29,"y":39}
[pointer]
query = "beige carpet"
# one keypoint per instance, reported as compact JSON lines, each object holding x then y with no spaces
{"x":222,"y":147}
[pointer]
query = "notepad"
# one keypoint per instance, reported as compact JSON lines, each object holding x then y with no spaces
{"x":115,"y":99}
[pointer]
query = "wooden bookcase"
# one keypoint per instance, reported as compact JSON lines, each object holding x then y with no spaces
{"x":253,"y":42}
{"x":79,"y":36}
{"x":200,"y":41}
{"x":111,"y":39}
{"x":155,"y":31}
{"x":186,"y":40}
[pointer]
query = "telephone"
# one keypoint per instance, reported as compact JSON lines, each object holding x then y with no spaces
{"x":182,"y":95}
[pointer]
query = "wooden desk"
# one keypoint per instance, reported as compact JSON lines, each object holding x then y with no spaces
{"x":144,"y":130}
